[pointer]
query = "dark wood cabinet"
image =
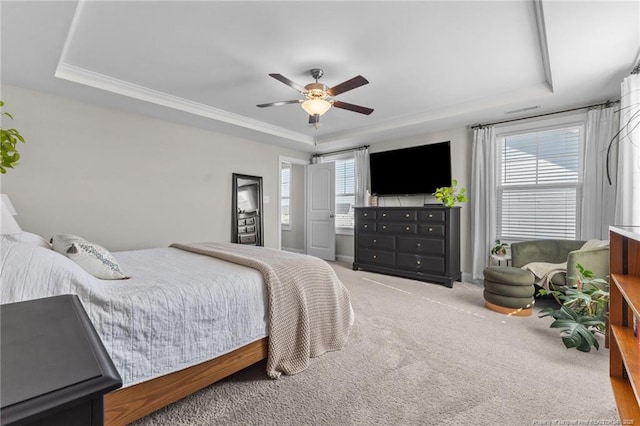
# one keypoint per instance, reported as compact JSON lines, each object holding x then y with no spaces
{"x":422,"y":243}
{"x":55,"y":369}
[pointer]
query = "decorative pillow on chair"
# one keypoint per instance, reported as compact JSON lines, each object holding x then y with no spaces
{"x":93,"y":258}
{"x":27,"y":238}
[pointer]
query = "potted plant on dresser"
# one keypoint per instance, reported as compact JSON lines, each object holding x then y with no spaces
{"x":450,"y":195}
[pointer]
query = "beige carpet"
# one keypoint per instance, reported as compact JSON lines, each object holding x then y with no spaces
{"x":419,"y":354}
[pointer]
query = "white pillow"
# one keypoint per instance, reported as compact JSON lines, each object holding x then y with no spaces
{"x":93,"y":258}
{"x":27,"y":238}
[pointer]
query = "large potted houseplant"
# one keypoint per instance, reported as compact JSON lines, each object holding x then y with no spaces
{"x":9,"y":139}
{"x":583,"y":312}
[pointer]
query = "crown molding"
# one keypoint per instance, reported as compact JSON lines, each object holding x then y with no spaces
{"x":544,"y":45}
{"x":103,"y":82}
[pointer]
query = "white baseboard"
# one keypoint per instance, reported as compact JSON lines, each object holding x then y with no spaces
{"x":294,"y":250}
{"x":341,"y":258}
{"x":468,"y":278}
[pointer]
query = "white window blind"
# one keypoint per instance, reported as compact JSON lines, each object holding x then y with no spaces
{"x":540,"y":188}
{"x":285,"y":186}
{"x":345,"y":192}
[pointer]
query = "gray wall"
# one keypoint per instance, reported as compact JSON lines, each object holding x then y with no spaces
{"x":293,"y":238}
{"x":128,"y":181}
{"x":461,"y":149}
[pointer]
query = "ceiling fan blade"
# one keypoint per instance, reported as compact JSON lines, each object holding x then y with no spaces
{"x":314,"y":119}
{"x":352,"y":107}
{"x":270,"y":104}
{"x":345,"y":86}
{"x":288,"y":82}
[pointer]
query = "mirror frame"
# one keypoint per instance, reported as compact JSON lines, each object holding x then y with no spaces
{"x":235,"y":214}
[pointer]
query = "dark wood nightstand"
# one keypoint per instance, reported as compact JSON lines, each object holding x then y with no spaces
{"x":54,"y":367}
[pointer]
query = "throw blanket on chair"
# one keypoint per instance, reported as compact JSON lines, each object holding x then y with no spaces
{"x":544,"y":272}
{"x":309,"y":308}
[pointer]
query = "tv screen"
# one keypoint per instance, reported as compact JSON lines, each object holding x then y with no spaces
{"x":416,"y":170}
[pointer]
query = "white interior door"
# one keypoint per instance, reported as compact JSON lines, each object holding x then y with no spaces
{"x":321,"y":207}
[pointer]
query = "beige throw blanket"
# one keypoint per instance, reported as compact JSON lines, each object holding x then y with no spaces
{"x":309,"y":308}
{"x":544,"y":272}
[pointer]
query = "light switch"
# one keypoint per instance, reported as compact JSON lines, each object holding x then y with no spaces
{"x":265,"y":199}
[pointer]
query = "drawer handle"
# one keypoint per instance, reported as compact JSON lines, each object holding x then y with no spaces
{"x":417,"y":262}
{"x":375,"y":257}
{"x":408,"y":228}
{"x":419,"y":245}
{"x":375,"y":241}
{"x":430,"y":229}
{"x":366,"y":214}
{"x":406,"y":215}
{"x":384,"y":226}
{"x":366,"y":226}
{"x":384,"y":215}
{"x":430,"y":215}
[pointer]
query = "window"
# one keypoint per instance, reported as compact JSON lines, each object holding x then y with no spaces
{"x":345,"y":193}
{"x":540,"y":184}
{"x":285,"y":187}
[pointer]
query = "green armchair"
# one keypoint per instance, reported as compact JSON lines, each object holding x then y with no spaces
{"x":559,"y":251}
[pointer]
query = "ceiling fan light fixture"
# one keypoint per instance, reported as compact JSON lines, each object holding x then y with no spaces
{"x":316,"y":106}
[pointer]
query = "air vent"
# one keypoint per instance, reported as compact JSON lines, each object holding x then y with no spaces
{"x":525,"y":109}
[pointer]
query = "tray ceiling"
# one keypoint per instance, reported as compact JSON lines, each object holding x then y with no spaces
{"x":431,"y":65}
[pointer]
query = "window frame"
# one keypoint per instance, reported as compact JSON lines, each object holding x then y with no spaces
{"x":343,"y":230}
{"x":285,"y":226}
{"x":534,"y":127}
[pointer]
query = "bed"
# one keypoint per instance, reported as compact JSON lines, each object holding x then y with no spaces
{"x":184,"y":319}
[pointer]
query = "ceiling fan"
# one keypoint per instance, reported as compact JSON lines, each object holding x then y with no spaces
{"x":318,"y":98}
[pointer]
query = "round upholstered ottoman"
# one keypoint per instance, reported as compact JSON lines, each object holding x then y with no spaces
{"x":509,"y":290}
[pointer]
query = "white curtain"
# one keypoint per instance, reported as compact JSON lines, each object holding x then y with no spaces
{"x":362,"y":186}
{"x":482,"y":197}
{"x":628,"y":193}
{"x":598,"y":196}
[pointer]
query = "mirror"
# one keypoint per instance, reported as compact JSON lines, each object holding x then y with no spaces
{"x":246,"y":213}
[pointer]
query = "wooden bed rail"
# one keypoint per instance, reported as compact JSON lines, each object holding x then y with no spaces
{"x":126,"y":405}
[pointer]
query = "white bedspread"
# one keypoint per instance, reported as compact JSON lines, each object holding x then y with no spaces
{"x":177,"y":310}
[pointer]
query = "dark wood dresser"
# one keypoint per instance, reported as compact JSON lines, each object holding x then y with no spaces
{"x":422,"y":243}
{"x":249,"y":228}
{"x":55,"y":369}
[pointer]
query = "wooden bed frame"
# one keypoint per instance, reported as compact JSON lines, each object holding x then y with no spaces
{"x":126,"y":405}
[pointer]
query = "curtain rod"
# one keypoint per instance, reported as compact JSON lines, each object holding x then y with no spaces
{"x":605,"y":104}
{"x":342,"y":150}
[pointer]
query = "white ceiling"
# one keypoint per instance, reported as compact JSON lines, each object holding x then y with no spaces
{"x":431,"y":65}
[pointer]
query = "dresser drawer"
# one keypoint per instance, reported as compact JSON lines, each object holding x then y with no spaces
{"x":366,"y":214}
{"x":433,"y":230}
{"x":421,"y":263}
{"x":251,"y":228}
{"x":383,"y":242}
{"x":421,"y":245}
{"x":376,"y":257}
{"x":251,"y":221}
{"x":398,"y":215}
{"x":367,"y":226}
{"x":248,"y":238}
{"x":432,"y":216}
{"x":242,"y":222}
{"x":397,"y":228}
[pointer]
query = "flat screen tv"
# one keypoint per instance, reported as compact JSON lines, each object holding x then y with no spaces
{"x":411,"y":171}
